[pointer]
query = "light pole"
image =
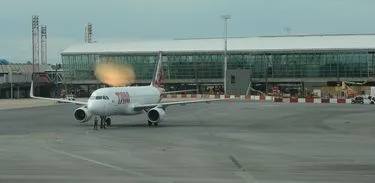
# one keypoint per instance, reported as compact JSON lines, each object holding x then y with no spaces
{"x":225,"y":17}
{"x":11,"y":84}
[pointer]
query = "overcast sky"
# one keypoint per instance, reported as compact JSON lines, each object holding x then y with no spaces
{"x":168,"y":19}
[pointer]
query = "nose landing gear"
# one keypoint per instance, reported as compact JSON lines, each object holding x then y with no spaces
{"x":149,"y":123}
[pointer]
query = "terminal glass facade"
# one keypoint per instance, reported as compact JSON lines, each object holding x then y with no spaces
{"x":210,"y":65}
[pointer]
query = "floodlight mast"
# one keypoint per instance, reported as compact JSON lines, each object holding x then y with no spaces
{"x":226,"y":18}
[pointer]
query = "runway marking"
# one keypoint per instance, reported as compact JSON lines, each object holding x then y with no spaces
{"x":112,"y":178}
{"x":94,"y":161}
{"x":247,"y":177}
{"x":221,"y":113}
{"x":270,"y":105}
{"x":235,"y":162}
{"x":243,"y":173}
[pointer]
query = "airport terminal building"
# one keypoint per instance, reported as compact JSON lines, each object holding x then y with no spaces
{"x":265,"y":62}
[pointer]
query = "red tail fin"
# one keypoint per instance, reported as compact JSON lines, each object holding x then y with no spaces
{"x":158,"y":75}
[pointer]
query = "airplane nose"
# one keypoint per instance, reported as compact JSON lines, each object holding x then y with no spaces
{"x":92,"y":107}
{"x":89,"y":105}
{"x":96,"y":108}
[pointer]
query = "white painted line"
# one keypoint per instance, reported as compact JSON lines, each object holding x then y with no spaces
{"x":246,"y":177}
{"x":93,"y":161}
{"x":270,"y":105}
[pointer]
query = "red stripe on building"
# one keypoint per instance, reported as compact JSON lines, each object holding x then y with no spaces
{"x":309,"y":100}
{"x":293,"y":100}
{"x":325,"y":100}
{"x":341,"y":100}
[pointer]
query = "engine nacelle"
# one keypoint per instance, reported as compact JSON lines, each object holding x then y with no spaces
{"x":82,"y":114}
{"x":156,"y":115}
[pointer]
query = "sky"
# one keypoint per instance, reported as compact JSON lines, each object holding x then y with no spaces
{"x":120,"y":20}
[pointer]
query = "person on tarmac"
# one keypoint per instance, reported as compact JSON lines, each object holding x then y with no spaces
{"x":96,"y":124}
{"x":102,"y":124}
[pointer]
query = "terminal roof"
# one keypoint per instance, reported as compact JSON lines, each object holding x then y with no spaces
{"x":252,"y":44}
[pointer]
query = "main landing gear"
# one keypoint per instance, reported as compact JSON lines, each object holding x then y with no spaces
{"x":104,"y":122}
{"x":151,"y":123}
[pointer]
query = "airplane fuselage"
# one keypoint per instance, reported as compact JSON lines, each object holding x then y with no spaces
{"x":121,"y":100}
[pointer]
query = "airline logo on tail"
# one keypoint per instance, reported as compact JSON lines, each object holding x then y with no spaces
{"x":158,"y":76}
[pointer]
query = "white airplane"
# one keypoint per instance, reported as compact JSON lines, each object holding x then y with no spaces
{"x":129,"y":100}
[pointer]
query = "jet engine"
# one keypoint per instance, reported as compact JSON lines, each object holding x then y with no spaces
{"x":82,"y":114}
{"x":156,"y":115}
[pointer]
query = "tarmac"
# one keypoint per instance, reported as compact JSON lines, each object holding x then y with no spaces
{"x":237,"y":141}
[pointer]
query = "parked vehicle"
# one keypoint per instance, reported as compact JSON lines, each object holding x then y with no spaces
{"x":358,"y":100}
{"x":68,"y":97}
{"x":363,"y":100}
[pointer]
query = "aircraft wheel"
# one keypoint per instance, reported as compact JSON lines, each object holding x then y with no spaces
{"x":156,"y":124}
{"x":108,"y":121}
{"x":149,"y":123}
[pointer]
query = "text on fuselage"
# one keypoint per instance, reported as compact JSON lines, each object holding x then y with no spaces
{"x":123,"y":97}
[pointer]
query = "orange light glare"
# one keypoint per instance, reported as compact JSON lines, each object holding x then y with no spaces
{"x":115,"y":74}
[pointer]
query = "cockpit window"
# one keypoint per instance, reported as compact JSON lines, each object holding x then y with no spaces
{"x":99,"y":98}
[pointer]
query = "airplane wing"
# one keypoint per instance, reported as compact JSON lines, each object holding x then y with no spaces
{"x":166,"y":104}
{"x":53,"y":99}
{"x":179,"y":91}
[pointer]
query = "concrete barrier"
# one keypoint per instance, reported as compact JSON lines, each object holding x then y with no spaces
{"x":267,"y":98}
